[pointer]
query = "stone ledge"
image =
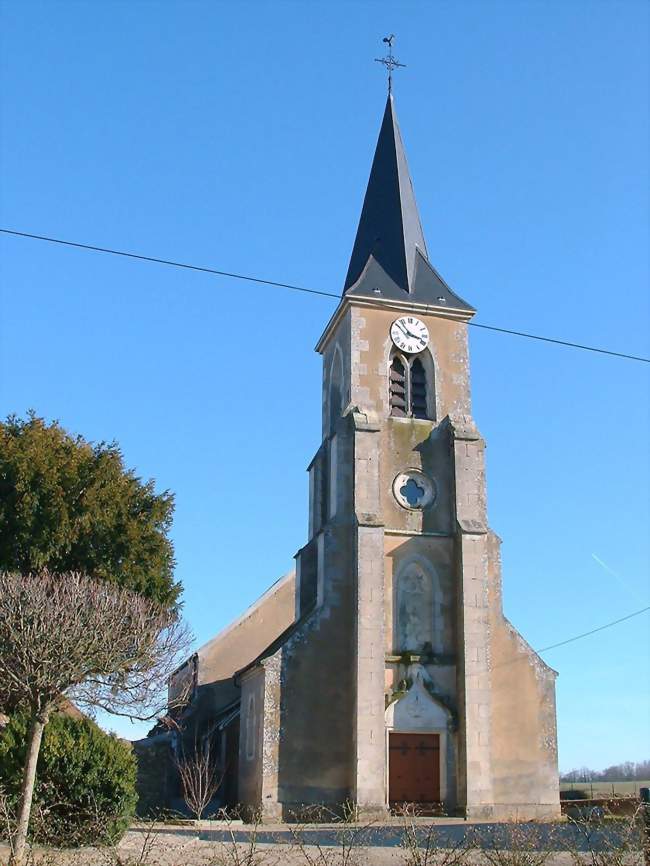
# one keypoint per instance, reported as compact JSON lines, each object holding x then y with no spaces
{"x":463,"y":428}
{"x":364,"y":422}
{"x":470,"y":526}
{"x":369,"y":520}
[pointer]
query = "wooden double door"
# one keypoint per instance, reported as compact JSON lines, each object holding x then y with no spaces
{"x":413,"y":768}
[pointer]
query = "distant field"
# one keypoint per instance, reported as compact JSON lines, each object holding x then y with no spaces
{"x":605,"y":789}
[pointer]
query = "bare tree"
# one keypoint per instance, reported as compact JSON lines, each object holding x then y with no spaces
{"x":200,"y":776}
{"x":68,"y":637}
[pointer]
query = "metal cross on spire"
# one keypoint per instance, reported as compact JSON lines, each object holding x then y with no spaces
{"x":389,"y":62}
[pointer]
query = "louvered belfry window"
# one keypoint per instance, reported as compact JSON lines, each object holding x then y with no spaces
{"x":418,"y":390}
{"x":408,"y":388}
{"x":398,"y":399}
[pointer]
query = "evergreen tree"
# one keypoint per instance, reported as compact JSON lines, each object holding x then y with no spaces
{"x":69,"y":505}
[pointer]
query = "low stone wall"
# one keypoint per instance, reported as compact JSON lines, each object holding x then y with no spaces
{"x":154,"y":763}
{"x":609,"y":805}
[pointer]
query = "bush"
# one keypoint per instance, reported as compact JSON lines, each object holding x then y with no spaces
{"x":574,"y":794}
{"x":85,"y":780}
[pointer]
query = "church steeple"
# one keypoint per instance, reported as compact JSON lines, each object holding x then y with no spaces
{"x":389,"y":258}
{"x":389,"y":228}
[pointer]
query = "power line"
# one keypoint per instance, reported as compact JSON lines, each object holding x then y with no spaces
{"x":173,"y":264}
{"x":514,"y":659}
{"x":561,"y":342}
{"x":594,"y":630}
{"x":264,"y":282}
{"x":304,"y":289}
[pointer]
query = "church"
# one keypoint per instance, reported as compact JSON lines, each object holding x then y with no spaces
{"x":381,"y":671}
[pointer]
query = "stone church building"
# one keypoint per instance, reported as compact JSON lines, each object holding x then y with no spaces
{"x":382,"y":670}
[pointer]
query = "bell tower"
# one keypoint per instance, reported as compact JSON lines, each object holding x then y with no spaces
{"x":401,"y":680}
{"x":395,"y":361}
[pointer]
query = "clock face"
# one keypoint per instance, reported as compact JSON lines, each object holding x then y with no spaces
{"x":409,"y":334}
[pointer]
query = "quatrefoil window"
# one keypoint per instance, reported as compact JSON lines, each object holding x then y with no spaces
{"x":413,"y":493}
{"x":414,"y":490}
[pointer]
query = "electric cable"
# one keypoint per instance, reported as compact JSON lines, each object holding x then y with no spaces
{"x":593,"y":630}
{"x":521,"y":657}
{"x":304,"y":289}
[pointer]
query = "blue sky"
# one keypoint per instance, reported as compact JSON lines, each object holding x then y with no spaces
{"x":240,"y":136}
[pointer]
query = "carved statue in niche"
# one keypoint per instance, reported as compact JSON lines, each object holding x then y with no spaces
{"x":414,"y":609}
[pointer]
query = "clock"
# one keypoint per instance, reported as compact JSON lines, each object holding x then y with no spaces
{"x":409,"y":334}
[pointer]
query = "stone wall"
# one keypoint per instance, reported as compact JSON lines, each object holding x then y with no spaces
{"x":524,"y":746}
{"x":253,"y":717}
{"x":309,"y":680}
{"x":153,"y":756}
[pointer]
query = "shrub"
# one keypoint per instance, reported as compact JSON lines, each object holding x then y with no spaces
{"x":85,"y":782}
{"x":574,"y":794}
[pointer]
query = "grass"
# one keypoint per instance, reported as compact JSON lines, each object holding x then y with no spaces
{"x":605,"y":789}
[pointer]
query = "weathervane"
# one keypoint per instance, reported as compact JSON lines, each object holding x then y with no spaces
{"x":389,"y":62}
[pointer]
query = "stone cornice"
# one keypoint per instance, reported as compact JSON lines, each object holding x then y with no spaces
{"x":348,"y":301}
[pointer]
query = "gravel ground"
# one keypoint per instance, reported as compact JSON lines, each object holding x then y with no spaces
{"x":174,"y":846}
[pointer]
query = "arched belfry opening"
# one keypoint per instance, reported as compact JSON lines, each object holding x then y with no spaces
{"x":418,"y":389}
{"x":411,"y":386}
{"x":398,"y":386}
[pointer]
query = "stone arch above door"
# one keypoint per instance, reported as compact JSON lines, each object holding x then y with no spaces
{"x":417,"y":710}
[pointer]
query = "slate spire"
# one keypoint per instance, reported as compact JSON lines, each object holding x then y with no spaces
{"x":389,"y":258}
{"x":389,"y":228}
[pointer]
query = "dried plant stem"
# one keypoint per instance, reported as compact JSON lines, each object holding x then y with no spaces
{"x":200,"y":778}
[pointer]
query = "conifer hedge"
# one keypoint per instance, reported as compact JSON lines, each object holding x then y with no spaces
{"x":85,"y":780}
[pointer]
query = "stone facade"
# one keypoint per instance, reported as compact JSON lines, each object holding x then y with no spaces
{"x":394,"y":647}
{"x":402,"y":596}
